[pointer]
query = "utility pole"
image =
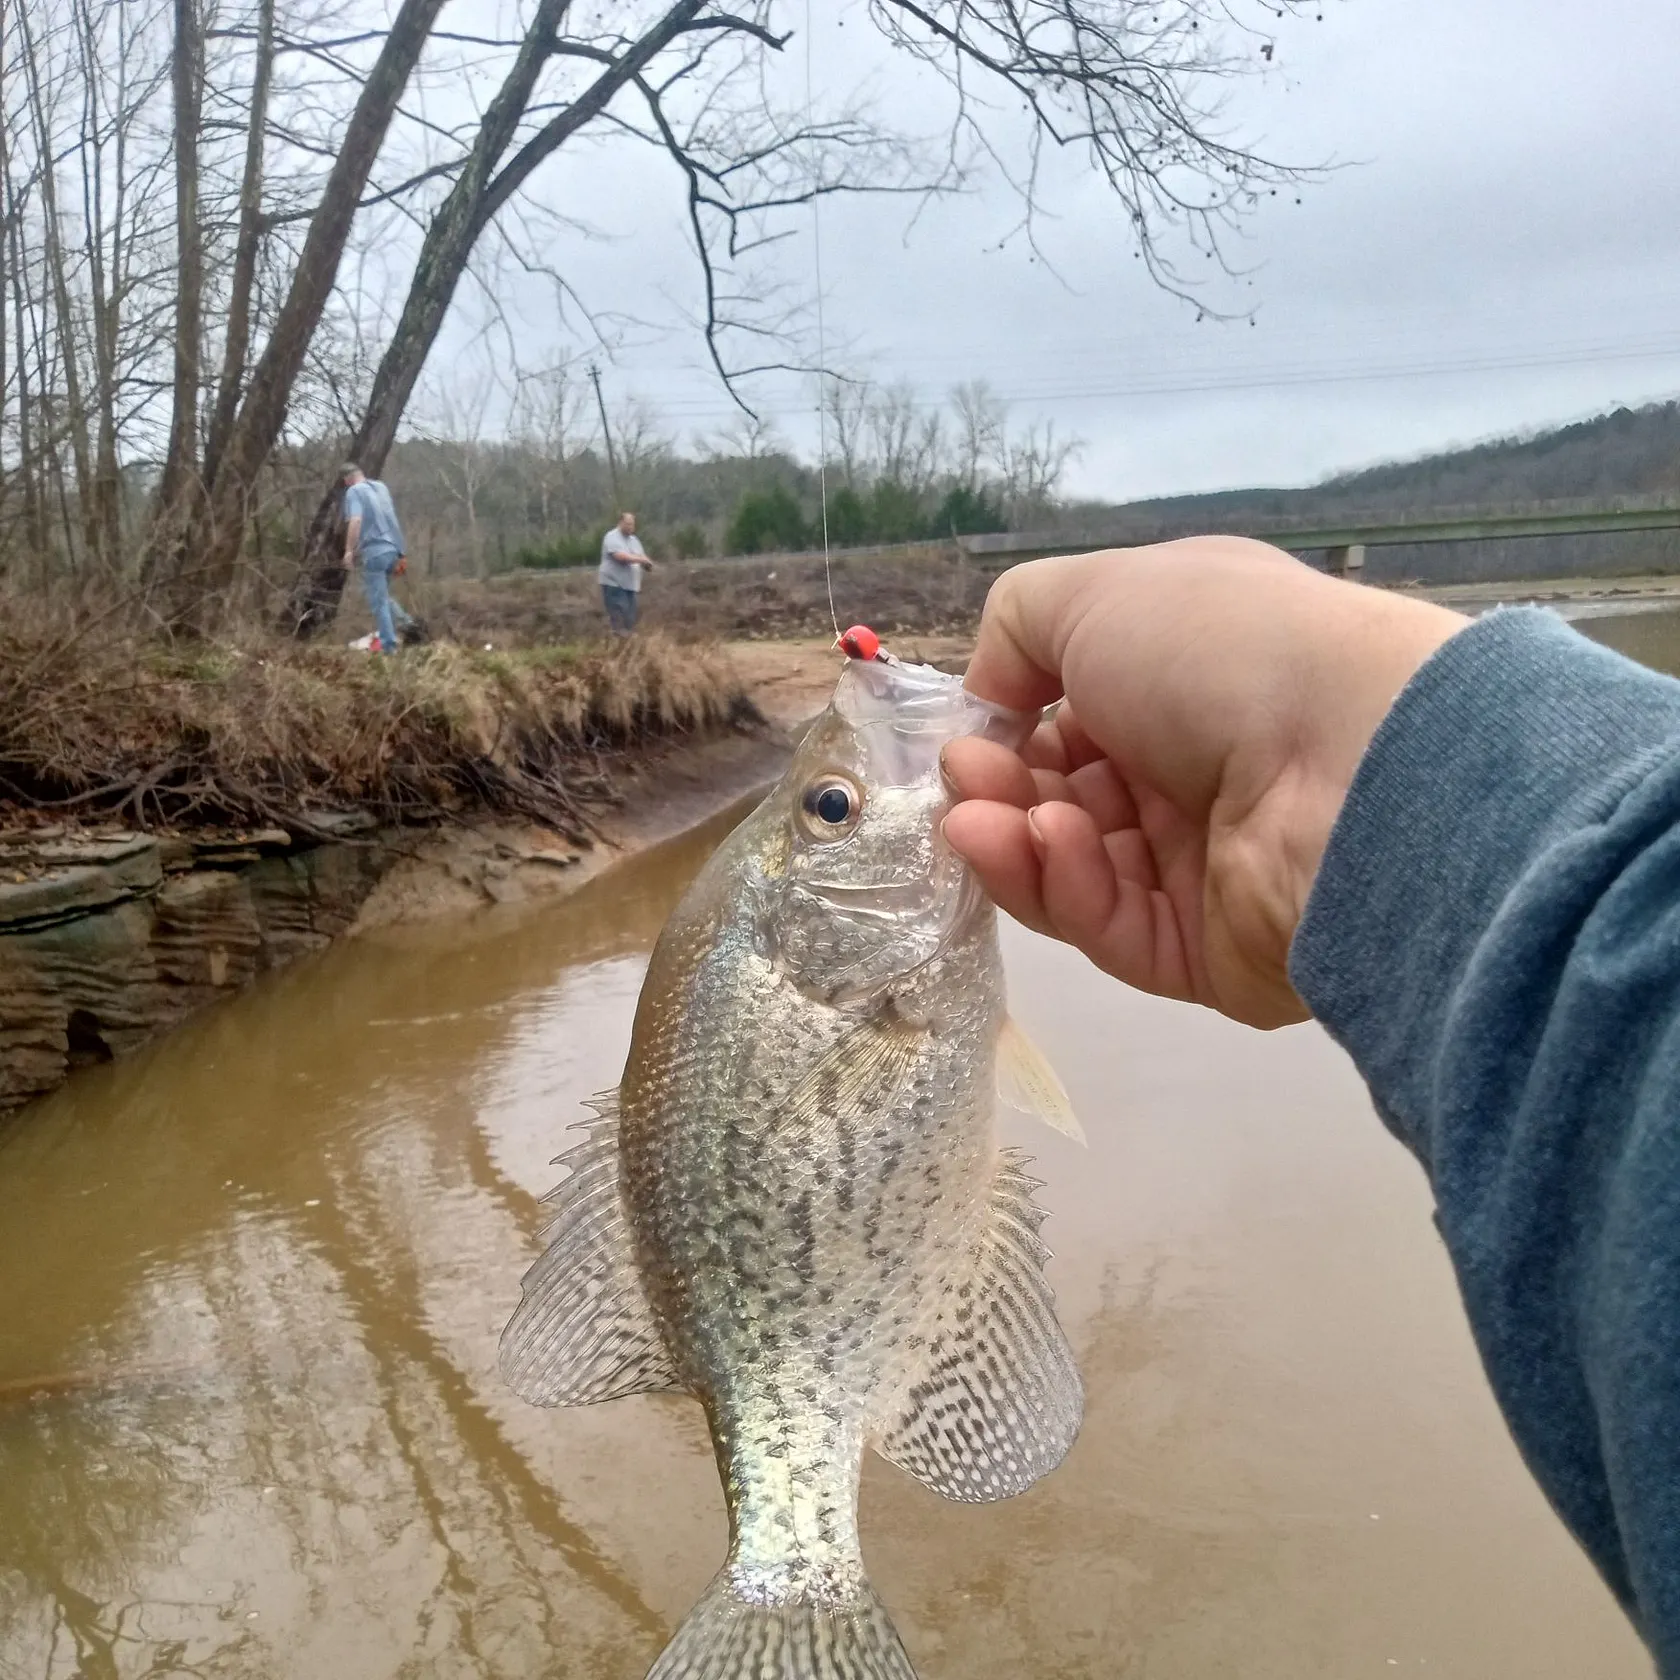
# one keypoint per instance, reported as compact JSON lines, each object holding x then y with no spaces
{"x":606,"y":432}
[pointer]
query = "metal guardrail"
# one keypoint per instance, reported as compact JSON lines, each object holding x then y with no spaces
{"x":1468,"y":524}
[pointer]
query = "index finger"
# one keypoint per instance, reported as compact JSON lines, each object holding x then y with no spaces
{"x":1024,"y":629}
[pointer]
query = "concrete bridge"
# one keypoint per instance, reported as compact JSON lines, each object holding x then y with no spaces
{"x":1344,"y":542}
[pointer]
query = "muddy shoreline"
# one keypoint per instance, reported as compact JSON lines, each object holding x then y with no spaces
{"x":111,"y":937}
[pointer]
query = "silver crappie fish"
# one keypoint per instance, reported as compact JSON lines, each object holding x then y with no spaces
{"x":796,"y":1208}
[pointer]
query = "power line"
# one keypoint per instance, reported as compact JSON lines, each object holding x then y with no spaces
{"x":1211,"y":381}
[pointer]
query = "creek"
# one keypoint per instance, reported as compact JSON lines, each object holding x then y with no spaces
{"x":250,"y":1424}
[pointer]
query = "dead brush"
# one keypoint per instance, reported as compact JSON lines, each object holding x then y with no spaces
{"x":109,"y":724}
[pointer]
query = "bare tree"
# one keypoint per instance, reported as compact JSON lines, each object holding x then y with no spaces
{"x":846,"y":404}
{"x":203,"y":565}
{"x":237,"y":346}
{"x":483,"y":187}
{"x":747,"y":436}
{"x":1033,"y":466}
{"x":461,"y":411}
{"x":892,"y":427}
{"x":982,"y":421}
{"x":183,"y":182}
{"x":553,"y":411}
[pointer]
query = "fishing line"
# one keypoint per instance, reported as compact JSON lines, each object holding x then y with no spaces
{"x":822,"y":344}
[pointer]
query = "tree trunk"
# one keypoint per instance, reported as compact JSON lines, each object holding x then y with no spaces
{"x":75,"y":420}
{"x":471,"y":205}
{"x":107,"y":474}
{"x":29,"y":464}
{"x":5,"y":324}
{"x":246,"y":251}
{"x":203,"y":566}
{"x":180,"y":487}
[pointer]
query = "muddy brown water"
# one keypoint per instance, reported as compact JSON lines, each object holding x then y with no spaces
{"x":252,"y":1280}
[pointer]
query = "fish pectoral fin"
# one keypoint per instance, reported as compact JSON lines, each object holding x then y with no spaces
{"x":1026,"y":1080}
{"x":858,"y":1077}
{"x":584,"y":1331}
{"x":998,"y":1401}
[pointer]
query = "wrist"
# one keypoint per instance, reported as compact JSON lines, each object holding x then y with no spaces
{"x":1265,"y":857}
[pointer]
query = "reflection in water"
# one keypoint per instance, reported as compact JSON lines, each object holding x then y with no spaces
{"x":1652,"y":637}
{"x":250,"y":1424}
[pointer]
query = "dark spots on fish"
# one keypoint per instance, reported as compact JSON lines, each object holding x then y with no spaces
{"x":803,"y":1228}
{"x":845,"y":1143}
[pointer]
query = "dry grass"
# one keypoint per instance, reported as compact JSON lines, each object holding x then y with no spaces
{"x":103,"y":723}
{"x":921,"y":591}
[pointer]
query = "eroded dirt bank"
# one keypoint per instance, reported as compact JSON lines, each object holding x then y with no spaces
{"x":109,"y":936}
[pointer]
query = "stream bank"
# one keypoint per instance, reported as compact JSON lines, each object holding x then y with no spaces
{"x":109,"y":936}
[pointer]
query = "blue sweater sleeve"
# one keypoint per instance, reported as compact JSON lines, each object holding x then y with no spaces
{"x":1494,"y":936}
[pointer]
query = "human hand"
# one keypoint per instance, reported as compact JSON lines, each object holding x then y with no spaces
{"x":349,"y":559}
{"x":1170,"y":818}
{"x":401,"y":567}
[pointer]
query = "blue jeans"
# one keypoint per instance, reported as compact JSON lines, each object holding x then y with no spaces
{"x":387,"y":612}
{"x":621,"y":607}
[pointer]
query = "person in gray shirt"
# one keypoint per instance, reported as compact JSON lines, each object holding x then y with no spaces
{"x":622,"y":564}
{"x":373,"y":538}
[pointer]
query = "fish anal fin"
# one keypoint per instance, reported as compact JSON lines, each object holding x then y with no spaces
{"x":998,"y":1401}
{"x":584,"y":1331}
{"x":1026,"y":1080}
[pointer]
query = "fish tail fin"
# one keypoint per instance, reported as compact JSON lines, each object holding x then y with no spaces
{"x":728,"y":1637}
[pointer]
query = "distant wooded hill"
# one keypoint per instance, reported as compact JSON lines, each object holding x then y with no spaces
{"x":1624,"y":453}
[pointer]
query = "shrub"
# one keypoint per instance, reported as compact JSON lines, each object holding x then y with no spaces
{"x":559,"y":552}
{"x":848,"y":520}
{"x":688,"y":542}
{"x":766,"y":520}
{"x":966,"y":513}
{"x":895,"y":513}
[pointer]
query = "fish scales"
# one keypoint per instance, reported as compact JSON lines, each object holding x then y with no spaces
{"x":806,"y":1220}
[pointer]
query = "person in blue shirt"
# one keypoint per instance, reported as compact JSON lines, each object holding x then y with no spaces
{"x":1457,"y":844}
{"x":374,"y":539}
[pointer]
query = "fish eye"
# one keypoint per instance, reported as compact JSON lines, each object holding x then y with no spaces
{"x":830,"y":805}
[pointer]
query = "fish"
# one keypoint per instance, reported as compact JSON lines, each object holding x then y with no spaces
{"x":795,"y":1206}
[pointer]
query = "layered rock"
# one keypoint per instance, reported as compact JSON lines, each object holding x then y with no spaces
{"x":107,"y":939}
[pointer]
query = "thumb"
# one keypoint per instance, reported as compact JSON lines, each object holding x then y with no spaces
{"x":1030,"y":612}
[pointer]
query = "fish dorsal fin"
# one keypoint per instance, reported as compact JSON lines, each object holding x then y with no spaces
{"x":998,"y":1400}
{"x":1025,"y":1080}
{"x":583,"y":1331}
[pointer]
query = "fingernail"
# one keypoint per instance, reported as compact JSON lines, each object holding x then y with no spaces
{"x":1035,"y":831}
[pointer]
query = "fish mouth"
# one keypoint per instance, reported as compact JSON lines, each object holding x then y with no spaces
{"x":887,"y":900}
{"x":926,"y":929}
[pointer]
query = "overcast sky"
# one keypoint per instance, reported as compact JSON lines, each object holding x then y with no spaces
{"x":1500,"y":252}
